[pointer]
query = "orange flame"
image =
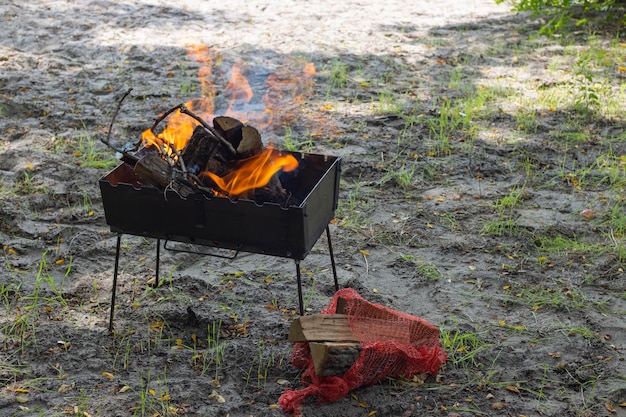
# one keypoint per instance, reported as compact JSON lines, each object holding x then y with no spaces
{"x":283,"y":92}
{"x":254,"y":172}
{"x":239,"y":90}
{"x":178,"y":131}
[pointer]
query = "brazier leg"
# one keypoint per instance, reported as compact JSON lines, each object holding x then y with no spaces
{"x":158,"y":261}
{"x":115,"y":268}
{"x":300,"y":299}
{"x":332,"y":258}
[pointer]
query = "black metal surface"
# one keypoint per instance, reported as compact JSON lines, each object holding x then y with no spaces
{"x":133,"y":208}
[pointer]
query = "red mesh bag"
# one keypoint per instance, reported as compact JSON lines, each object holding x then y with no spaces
{"x":403,"y":346}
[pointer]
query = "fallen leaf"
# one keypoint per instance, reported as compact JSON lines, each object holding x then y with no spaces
{"x":364,"y":252}
{"x":498,"y":406}
{"x":610,"y":408}
{"x":512,"y":388}
{"x":66,"y":387}
{"x":156,"y":326}
{"x":22,"y":390}
{"x":108,"y":375}
{"x":217,"y":397}
{"x":20,"y":399}
{"x":124,"y":389}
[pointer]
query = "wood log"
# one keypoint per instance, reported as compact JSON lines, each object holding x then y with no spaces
{"x":321,"y":328}
{"x":156,"y":171}
{"x":198,"y":150}
{"x":251,"y":143}
{"x":230,"y":128}
{"x":216,"y":149}
{"x":333,"y":358}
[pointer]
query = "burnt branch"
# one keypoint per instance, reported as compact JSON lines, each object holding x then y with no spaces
{"x":107,"y":142}
{"x":210,"y":130}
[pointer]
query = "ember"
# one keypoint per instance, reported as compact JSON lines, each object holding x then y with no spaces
{"x":226,"y":159}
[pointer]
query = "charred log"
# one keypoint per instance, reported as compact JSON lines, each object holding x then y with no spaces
{"x":217,"y":149}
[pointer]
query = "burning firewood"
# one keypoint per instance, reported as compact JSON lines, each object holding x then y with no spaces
{"x":226,"y":158}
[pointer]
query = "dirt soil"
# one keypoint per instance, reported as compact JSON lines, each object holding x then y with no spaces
{"x":529,"y":333}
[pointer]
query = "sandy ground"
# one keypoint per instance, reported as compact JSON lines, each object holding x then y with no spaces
{"x":211,"y":339}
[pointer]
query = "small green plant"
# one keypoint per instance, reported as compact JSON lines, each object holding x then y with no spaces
{"x":555,"y":297}
{"x":87,"y":151}
{"x":88,"y":154}
{"x":406,"y":134}
{"x":291,"y":144}
{"x":463,"y":348}
{"x":428,"y":270}
{"x":509,"y":202}
{"x":338,"y":75}
{"x":526,"y":120}
{"x":589,"y":92}
{"x":442,"y":127}
{"x":388,"y":103}
{"x":215,"y":346}
{"x":499,"y":227}
{"x":27,"y":182}
{"x":350,"y":211}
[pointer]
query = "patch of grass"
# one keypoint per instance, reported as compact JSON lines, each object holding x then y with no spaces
{"x":153,"y":397}
{"x":404,"y":175}
{"x":338,"y":76}
{"x":499,"y":227}
{"x":561,"y":297}
{"x":294,"y":145}
{"x":509,"y":202}
{"x":388,"y":102}
{"x":526,"y":120}
{"x":566,"y":246}
{"x":28,"y":183}
{"x":351,"y":211}
{"x":264,"y":364}
{"x":87,"y":151}
{"x":426,"y":269}
{"x":573,"y":331}
{"x":406,"y":135}
{"x":463,"y":348}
